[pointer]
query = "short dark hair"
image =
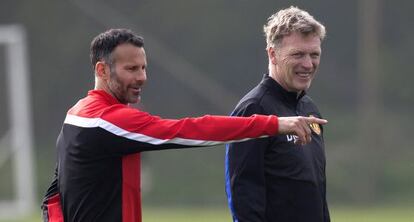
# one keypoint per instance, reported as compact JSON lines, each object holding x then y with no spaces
{"x":104,"y":44}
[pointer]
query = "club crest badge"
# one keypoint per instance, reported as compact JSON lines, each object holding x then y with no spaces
{"x":315,"y":127}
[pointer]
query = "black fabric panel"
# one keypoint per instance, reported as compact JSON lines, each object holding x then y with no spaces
{"x":90,"y":172}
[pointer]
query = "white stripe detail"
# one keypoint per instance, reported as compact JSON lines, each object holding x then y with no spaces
{"x":98,"y":122}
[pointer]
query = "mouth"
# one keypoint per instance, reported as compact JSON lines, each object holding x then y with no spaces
{"x":136,"y":90}
{"x":304,"y":75}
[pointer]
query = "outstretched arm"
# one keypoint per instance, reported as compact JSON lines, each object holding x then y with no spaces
{"x":150,"y":132}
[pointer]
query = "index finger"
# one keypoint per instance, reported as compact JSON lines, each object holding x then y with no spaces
{"x":312,"y":119}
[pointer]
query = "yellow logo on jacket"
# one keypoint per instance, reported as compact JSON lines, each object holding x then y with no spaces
{"x":315,"y":127}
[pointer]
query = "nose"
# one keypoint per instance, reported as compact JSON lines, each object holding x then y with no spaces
{"x":307,"y":62}
{"x":142,"y":77}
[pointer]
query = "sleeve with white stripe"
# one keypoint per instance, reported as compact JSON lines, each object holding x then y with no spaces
{"x":207,"y":130}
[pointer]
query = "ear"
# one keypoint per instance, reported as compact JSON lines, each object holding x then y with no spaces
{"x":271,"y":53}
{"x":102,"y":70}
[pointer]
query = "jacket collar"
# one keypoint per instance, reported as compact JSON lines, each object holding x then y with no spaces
{"x":102,"y":94}
{"x":277,"y":90}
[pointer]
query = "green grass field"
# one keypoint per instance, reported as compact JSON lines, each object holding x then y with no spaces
{"x":338,"y":214}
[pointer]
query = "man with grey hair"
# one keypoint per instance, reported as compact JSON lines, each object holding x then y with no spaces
{"x":277,"y":178}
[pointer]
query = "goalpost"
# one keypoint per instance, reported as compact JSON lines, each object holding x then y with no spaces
{"x":17,"y":143}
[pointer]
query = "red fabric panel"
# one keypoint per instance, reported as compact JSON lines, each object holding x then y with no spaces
{"x":54,"y":209}
{"x":131,"y":188}
{"x":208,"y":128}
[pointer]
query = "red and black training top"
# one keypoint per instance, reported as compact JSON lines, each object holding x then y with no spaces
{"x":98,"y":155}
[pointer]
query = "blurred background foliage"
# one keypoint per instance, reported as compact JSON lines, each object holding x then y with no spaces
{"x":194,"y":46}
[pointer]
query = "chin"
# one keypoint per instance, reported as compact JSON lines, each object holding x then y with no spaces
{"x":134,"y":100}
{"x":302,"y":87}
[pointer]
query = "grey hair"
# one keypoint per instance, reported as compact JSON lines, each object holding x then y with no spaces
{"x":289,"y":20}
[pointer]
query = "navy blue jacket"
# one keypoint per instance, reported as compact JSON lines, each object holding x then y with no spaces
{"x":273,"y":179}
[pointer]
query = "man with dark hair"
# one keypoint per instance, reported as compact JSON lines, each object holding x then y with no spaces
{"x":97,"y":176}
{"x":274,"y":179}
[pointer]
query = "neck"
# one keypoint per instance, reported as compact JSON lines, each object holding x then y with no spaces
{"x":101,"y":85}
{"x":274,"y":76}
